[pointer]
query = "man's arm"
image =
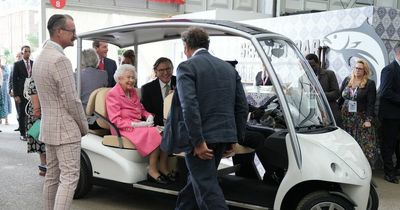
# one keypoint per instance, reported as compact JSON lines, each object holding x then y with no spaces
{"x":68,"y":94}
{"x":332,"y":93}
{"x":387,"y":84}
{"x":241,"y":109}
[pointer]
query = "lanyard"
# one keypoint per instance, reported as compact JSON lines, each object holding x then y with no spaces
{"x":353,"y":93}
{"x":264,"y":77}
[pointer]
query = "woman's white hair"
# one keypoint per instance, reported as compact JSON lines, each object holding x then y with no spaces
{"x":89,"y":58}
{"x":123,"y":68}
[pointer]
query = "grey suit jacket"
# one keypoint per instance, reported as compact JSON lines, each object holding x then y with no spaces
{"x":212,"y":106}
{"x":63,"y":118}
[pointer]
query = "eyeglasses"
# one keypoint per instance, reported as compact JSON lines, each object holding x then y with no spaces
{"x":69,"y":30}
{"x":165,"y":70}
{"x":359,"y":68}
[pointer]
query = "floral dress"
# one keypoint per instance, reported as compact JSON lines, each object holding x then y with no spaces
{"x":5,"y":104}
{"x":352,"y":122}
{"x":33,"y":145}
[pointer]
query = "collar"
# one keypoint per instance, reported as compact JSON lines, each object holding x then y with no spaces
{"x":121,"y":91}
{"x":198,"y":50}
{"x":162,"y":84}
{"x":398,"y":61}
{"x":55,"y":45}
{"x":25,"y":61}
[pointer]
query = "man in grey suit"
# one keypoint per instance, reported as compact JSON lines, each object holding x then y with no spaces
{"x":214,"y":110}
{"x":63,"y":120}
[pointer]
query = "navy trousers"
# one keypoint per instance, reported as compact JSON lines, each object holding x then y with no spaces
{"x":202,"y":190}
{"x":391,"y":129}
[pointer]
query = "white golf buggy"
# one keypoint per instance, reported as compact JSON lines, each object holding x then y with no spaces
{"x":306,"y":161}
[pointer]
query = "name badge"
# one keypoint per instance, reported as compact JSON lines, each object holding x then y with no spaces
{"x":352,"y":106}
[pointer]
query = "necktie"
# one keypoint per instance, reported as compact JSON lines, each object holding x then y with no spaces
{"x":167,"y":89}
{"x":101,"y":64}
{"x":28,"y":68}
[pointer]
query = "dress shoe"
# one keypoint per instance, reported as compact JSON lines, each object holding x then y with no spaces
{"x":22,"y":138}
{"x":17,"y":129}
{"x":171,"y":176}
{"x":159,"y":180}
{"x":392,"y":179}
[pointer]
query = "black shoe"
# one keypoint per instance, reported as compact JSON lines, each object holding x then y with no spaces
{"x":160,"y":179}
{"x":392,"y":179}
{"x":17,"y":129}
{"x":171,"y":176}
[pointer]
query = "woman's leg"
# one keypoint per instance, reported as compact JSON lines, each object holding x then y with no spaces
{"x":153,"y":162}
{"x":164,"y":162}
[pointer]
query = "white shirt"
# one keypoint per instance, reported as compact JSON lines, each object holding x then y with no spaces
{"x":162,"y":87}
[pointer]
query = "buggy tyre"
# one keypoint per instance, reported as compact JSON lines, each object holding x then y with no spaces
{"x":373,"y":199}
{"x":84,"y":183}
{"x":324,"y":200}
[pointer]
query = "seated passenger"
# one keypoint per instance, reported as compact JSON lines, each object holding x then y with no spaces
{"x":91,"y":77}
{"x":128,"y":57}
{"x":262,"y":78}
{"x":154,"y":92}
{"x":135,"y":123}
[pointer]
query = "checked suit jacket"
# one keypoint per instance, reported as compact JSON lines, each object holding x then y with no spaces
{"x":63,"y":118}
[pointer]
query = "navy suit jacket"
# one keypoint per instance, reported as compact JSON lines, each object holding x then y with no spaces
{"x":209,"y":105}
{"x":153,"y":101}
{"x":389,"y":107}
{"x":19,"y":75}
{"x":110,"y":66}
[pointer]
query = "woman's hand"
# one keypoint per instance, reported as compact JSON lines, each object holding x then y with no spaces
{"x":367,"y":124}
{"x":139,"y":124}
{"x":36,"y":113}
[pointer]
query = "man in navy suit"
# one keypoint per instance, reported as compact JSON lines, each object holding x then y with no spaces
{"x":154,"y":92}
{"x":214,"y":110}
{"x":105,"y":63}
{"x":22,"y":69}
{"x":389,"y":113}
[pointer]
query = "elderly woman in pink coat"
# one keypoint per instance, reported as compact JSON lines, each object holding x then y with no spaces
{"x":136,"y":124}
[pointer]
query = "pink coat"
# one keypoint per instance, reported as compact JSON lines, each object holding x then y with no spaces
{"x":122,"y":111}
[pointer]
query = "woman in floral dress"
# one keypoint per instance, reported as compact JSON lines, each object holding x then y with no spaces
{"x":357,"y":108}
{"x":33,"y":113}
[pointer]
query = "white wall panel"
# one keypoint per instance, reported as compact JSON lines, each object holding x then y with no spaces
{"x":194,"y":6}
{"x":214,"y":4}
{"x":316,"y":5}
{"x":130,"y":3}
{"x":245,"y":5}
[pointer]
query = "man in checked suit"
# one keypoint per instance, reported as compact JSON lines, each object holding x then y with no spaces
{"x":154,"y":92}
{"x":105,"y":63}
{"x":214,"y":110}
{"x":22,"y":69}
{"x":63,"y":119}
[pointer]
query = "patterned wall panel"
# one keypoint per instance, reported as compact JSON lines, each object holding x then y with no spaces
{"x":308,"y":30}
{"x":245,"y":5}
{"x":214,"y":4}
{"x":387,"y":25}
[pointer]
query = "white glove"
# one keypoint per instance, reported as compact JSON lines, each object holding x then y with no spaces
{"x":150,"y":119}
{"x":141,"y":124}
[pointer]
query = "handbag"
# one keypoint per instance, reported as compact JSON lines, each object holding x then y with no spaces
{"x":34,"y":131}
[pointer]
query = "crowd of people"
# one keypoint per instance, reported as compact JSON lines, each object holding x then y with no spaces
{"x":36,"y":87}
